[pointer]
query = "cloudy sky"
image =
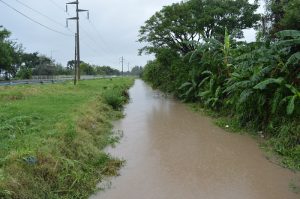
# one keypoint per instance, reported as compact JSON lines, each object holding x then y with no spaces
{"x":111,"y":32}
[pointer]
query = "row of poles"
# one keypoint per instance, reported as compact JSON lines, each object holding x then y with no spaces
{"x":122,"y":64}
{"x":77,"y":41}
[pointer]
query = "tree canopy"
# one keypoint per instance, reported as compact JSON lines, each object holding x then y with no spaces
{"x":177,"y":25}
{"x":10,"y":54}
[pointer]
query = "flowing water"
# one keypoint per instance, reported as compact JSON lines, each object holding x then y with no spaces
{"x":173,"y":153}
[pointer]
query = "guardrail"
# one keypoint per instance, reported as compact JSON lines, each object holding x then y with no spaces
{"x":49,"y":80}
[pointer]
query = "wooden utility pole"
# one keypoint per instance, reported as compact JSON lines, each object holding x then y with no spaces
{"x":75,"y":61}
{"x":122,"y":61}
{"x":77,"y":38}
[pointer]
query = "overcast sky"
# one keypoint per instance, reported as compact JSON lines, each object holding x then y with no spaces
{"x":111,"y":32}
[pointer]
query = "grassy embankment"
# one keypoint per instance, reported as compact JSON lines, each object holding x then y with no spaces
{"x":52,"y":137}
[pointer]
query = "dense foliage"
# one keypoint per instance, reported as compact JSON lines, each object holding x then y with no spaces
{"x":10,"y":54}
{"x":256,"y":85}
{"x":17,"y":64}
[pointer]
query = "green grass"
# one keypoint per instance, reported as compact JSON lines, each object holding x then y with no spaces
{"x":52,"y":138}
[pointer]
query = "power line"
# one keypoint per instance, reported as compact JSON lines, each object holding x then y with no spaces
{"x":95,"y":49}
{"x":98,"y":33}
{"x":58,"y":6}
{"x":96,"y":52}
{"x":94,"y":41}
{"x":33,"y":20}
{"x":40,"y":13}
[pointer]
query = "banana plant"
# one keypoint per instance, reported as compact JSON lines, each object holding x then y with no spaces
{"x":189,"y":89}
{"x":289,"y":39}
{"x":290,"y":100}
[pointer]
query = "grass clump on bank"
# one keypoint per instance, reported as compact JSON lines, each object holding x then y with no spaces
{"x":52,"y":138}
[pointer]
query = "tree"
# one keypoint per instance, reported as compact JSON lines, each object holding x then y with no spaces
{"x":137,"y":71}
{"x":30,"y":60}
{"x":87,"y":69}
{"x":71,"y":64}
{"x":178,"y":25}
{"x":24,"y":73}
{"x":44,"y":66}
{"x":213,"y":16}
{"x":10,"y":54}
{"x":291,"y":18}
{"x":170,"y":27}
{"x":6,"y":52}
{"x":106,"y":70}
{"x":282,"y":15}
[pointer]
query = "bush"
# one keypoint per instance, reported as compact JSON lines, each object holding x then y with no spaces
{"x":115,"y":97}
{"x":24,"y":73}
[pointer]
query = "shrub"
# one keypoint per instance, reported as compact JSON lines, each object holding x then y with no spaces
{"x":115,"y":98}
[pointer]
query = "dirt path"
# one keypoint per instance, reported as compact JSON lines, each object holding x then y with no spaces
{"x":173,"y":153}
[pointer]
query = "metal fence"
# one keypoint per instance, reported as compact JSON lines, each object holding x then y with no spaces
{"x":51,"y":79}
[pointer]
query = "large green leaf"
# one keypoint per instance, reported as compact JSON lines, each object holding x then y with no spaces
{"x":262,"y":85}
{"x":203,"y":94}
{"x":185,"y":85}
{"x":218,"y":92}
{"x":244,"y":95}
{"x":288,"y":33}
{"x":289,"y":42}
{"x":238,"y":85}
{"x":276,"y":99}
{"x":207,"y":72}
{"x":203,"y":81}
{"x":291,"y":105}
{"x":294,"y":59}
{"x":189,"y":91}
{"x":293,"y":89}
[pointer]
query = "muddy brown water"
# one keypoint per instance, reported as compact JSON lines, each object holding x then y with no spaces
{"x":173,"y":153}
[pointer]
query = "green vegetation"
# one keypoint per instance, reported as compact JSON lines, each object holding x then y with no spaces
{"x":250,"y":86}
{"x":52,"y":138}
{"x":15,"y":63}
{"x":115,"y":97}
{"x":87,"y":69}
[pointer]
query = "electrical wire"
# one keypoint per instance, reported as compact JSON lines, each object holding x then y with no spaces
{"x":33,"y":20}
{"x":98,"y":33}
{"x":95,"y":50}
{"x":93,"y":40}
{"x":58,"y":6}
{"x":87,"y":34}
{"x":36,"y":11}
